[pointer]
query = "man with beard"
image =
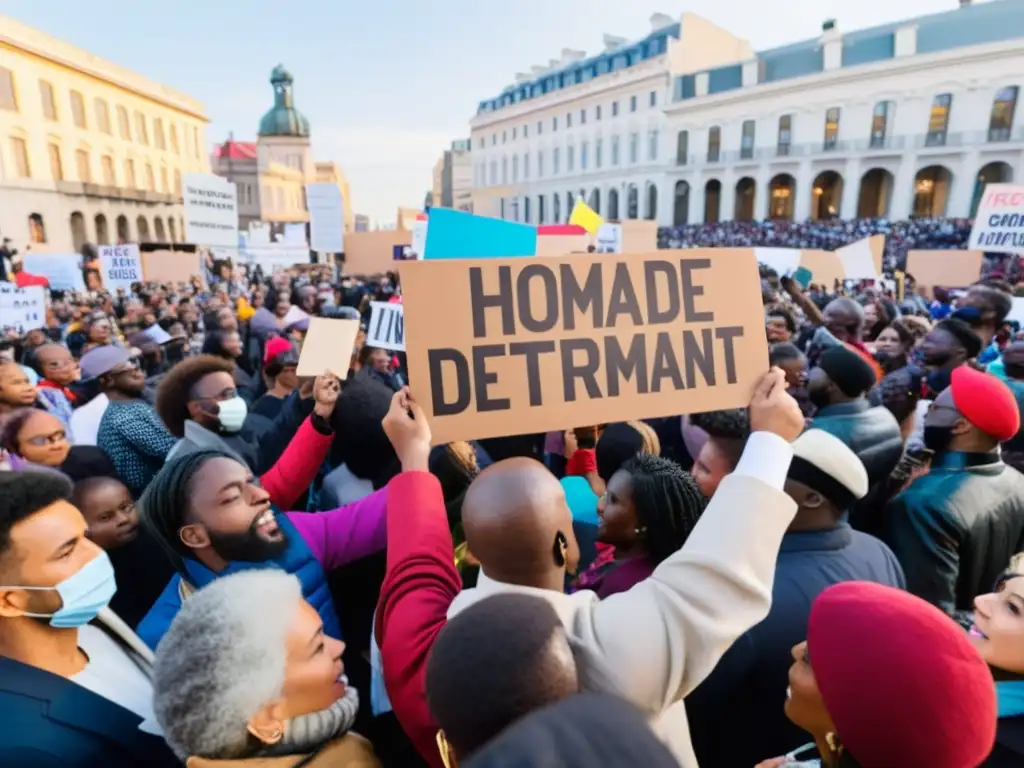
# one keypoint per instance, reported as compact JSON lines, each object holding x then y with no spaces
{"x":75,"y":684}
{"x":213,"y":519}
{"x":838,"y":387}
{"x":984,"y":308}
{"x":955,"y":529}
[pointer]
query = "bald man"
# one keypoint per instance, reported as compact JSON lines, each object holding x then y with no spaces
{"x":844,"y":319}
{"x":656,"y":642}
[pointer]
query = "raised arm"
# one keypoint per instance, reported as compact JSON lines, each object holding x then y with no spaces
{"x":667,"y":633}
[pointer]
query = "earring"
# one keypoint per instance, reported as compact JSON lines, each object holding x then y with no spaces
{"x":445,"y":750}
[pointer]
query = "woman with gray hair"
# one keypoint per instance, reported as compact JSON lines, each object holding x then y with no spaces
{"x":246,"y":671}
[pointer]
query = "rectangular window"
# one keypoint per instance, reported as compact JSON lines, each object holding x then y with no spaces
{"x":56,"y":167}
{"x":77,"y":109}
{"x":107,"y":163}
{"x":568,"y":120}
{"x":597,"y":112}
{"x":49,"y":102}
{"x":129,"y":174}
{"x":164,"y":184}
{"x":19,"y":149}
{"x":554,"y":123}
{"x":158,"y":134}
{"x":682,"y":147}
{"x":494,"y":172}
{"x":515,"y":133}
{"x":598,"y":147}
{"x":515,"y":168}
{"x":652,"y":146}
{"x":634,"y":148}
{"x":570,"y":159}
{"x":583,"y":117}
{"x":880,"y":119}
{"x":938,"y":120}
{"x":654,"y":99}
{"x":554,"y":161}
{"x":540,"y":127}
{"x":1001,"y":120}
{"x":123,"y":125}
{"x":615,"y":109}
{"x":714,"y":144}
{"x":102,"y":116}
{"x":785,"y":140}
{"x":584,"y":151}
{"x":540,"y":164}
{"x":831,"y":128}
{"x":151,"y":179}
{"x":8,"y":98}
{"x":174,"y":138}
{"x":526,"y":165}
{"x":747,"y":140}
{"x":615,"y":150}
{"x":526,"y":131}
{"x":504,"y":170}
{"x":195,"y":142}
{"x":82,"y":166}
{"x":141,"y":130}
{"x":632,"y":103}
{"x":494,"y":139}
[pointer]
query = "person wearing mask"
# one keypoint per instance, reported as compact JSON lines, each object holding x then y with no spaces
{"x":646,"y":514}
{"x":985,"y":308}
{"x":727,"y":433}
{"x":997,"y":632}
{"x":279,"y":372}
{"x":140,"y":566}
{"x":212,"y":519}
{"x":660,"y":639}
{"x":955,"y":528}
{"x":130,"y":431}
{"x":884,"y":679}
{"x":74,"y":679}
{"x":41,"y":439}
{"x":199,"y":403}
{"x":227,"y":345}
{"x":838,"y":387}
{"x":947,"y":346}
{"x":515,"y":650}
{"x":893,"y":346}
{"x":745,"y":690}
{"x":249,"y":674}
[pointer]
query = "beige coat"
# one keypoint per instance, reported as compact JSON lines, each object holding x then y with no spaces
{"x":350,"y":751}
{"x":659,"y":640}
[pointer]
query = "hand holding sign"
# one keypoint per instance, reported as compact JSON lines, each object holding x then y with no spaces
{"x":773,"y":409}
{"x":406,"y":427}
{"x":326,"y":390}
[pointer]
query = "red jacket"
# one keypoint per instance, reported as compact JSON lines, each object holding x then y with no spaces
{"x":419,"y":586}
{"x":291,"y":475}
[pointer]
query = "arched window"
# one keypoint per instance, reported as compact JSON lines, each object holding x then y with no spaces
{"x":681,"y":205}
{"x":102,"y":232}
{"x":1000,"y":123}
{"x":36,"y":228}
{"x":682,"y":147}
{"x":652,"y":201}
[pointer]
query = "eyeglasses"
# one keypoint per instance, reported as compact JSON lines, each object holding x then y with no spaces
{"x":52,"y":439}
{"x":128,"y":367}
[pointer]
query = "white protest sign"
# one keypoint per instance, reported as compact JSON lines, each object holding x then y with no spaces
{"x":783,"y":260}
{"x":22,"y":309}
{"x":858,"y":260}
{"x":419,"y":237}
{"x":387,"y":326}
{"x":120,"y":266}
{"x":609,"y":238}
{"x":63,"y":270}
{"x":211,"y":210}
{"x":326,"y":217}
{"x":999,"y":224}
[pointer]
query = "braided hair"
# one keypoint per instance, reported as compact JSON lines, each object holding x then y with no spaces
{"x":167,"y":500}
{"x":667,"y":501}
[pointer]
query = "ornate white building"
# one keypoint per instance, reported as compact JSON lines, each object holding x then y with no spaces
{"x":905,"y":119}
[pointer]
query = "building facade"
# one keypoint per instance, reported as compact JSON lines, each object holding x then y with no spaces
{"x":361,"y":222}
{"x":89,"y":152}
{"x":691,"y":125}
{"x":330,"y":173}
{"x":457,"y":176}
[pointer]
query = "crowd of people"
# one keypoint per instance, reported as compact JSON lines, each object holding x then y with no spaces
{"x":208,"y":560}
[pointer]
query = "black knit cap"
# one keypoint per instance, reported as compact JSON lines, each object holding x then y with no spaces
{"x":963,"y":334}
{"x":850,"y":372}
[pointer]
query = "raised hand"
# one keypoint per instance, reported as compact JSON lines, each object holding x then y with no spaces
{"x":773,"y":409}
{"x":406,"y":427}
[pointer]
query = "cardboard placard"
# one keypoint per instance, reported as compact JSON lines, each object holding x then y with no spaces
{"x":455,"y":234}
{"x":999,"y":223}
{"x":948,"y":269}
{"x":171,"y":267}
{"x":327,"y":347}
{"x":120,"y":267}
{"x":63,"y":270}
{"x":560,"y":245}
{"x":518,"y":346}
{"x":639,"y":236}
{"x":387,"y":326}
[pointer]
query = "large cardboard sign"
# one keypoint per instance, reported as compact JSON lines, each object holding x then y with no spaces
{"x":516,"y":346}
{"x":172,"y":267}
{"x":999,"y":224}
{"x":949,"y":269}
{"x":211,"y":210}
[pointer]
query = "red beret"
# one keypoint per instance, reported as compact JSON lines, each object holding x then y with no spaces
{"x":986,"y":402}
{"x":901,"y":681}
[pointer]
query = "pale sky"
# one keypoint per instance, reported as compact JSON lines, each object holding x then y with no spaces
{"x":388,"y":85}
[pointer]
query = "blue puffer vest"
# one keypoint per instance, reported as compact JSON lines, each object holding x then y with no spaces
{"x":297,"y":559}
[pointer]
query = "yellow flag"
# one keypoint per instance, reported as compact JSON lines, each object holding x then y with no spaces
{"x":585,"y":216}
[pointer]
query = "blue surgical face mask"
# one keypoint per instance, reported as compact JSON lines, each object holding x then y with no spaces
{"x":83,"y":595}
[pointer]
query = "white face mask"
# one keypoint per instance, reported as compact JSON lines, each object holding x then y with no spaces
{"x":232,"y":414}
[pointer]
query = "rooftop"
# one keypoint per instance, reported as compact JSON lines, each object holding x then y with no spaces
{"x":236,"y":150}
{"x":970,"y":24}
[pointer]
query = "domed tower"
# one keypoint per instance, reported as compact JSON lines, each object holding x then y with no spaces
{"x":284,"y":131}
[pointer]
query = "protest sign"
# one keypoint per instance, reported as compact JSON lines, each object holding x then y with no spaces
{"x":22,"y":309}
{"x":639,"y":236}
{"x":609,"y":238}
{"x":387,"y":326}
{"x":172,"y":267}
{"x":62,"y":270}
{"x":560,"y":239}
{"x":120,"y":266}
{"x":999,"y":223}
{"x":459,"y":235}
{"x":518,"y":346}
{"x":419,"y":237}
{"x":862,"y":260}
{"x":211,"y":210}
{"x":327,"y":347}
{"x":326,"y":217}
{"x":949,"y":269}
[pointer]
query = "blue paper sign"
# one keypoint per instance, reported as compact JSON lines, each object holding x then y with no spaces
{"x":455,"y":234}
